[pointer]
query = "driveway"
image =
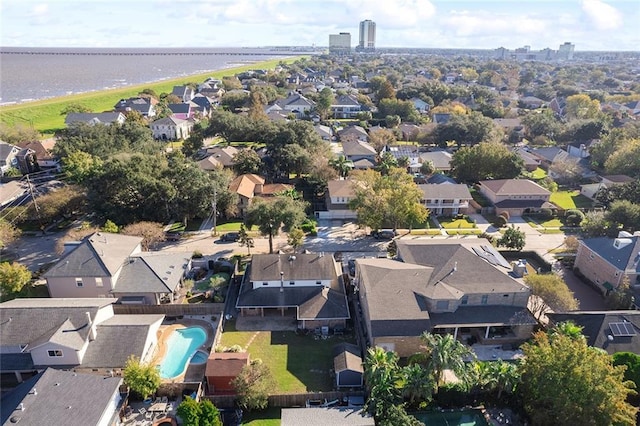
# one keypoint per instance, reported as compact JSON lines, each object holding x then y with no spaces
{"x":588,"y":298}
{"x":35,"y":252}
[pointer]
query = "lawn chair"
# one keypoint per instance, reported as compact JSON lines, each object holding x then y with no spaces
{"x":148,"y":415}
{"x":165,"y":399}
{"x":142,"y":411}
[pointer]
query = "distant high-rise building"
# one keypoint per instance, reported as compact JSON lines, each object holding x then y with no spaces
{"x":565,"y":51}
{"x":367,"y":35}
{"x":340,"y":44}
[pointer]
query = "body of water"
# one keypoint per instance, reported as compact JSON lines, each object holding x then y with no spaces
{"x":38,"y":73}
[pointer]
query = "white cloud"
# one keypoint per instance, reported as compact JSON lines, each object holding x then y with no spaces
{"x":481,"y":24}
{"x":602,"y":15}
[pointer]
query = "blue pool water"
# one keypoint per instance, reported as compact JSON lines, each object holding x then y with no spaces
{"x":181,"y":346}
{"x":199,"y":358}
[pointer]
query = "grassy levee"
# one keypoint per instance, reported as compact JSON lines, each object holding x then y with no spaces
{"x":45,"y":115}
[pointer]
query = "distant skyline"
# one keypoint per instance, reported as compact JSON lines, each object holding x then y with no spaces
{"x":610,"y":25}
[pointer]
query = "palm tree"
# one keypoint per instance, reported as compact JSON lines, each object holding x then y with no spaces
{"x":382,"y":375}
{"x":341,"y":165}
{"x":498,"y":375}
{"x":386,"y":162}
{"x":445,"y":353}
{"x":418,"y":384}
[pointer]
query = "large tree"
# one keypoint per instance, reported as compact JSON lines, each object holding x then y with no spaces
{"x":443,"y":352}
{"x":247,"y":161}
{"x":513,"y":238}
{"x":486,"y":161}
{"x":392,"y":199}
{"x":549,"y":291}
{"x":151,"y":233}
{"x":272,"y":214}
{"x":468,"y":129}
{"x":564,"y":381}
{"x":253,"y":386}
{"x":8,"y":233}
{"x":13,"y":278}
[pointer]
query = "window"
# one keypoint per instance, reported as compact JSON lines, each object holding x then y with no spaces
{"x":292,"y":283}
{"x":505,"y":295}
{"x":99,"y":282}
{"x":318,"y":282}
{"x":442,"y":305}
{"x":485,"y":299}
{"x":79,"y":282}
{"x":55,"y":353}
{"x":464,"y":300}
{"x":265,"y":283}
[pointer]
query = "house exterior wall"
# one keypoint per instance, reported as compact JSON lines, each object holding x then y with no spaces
{"x":40,"y":355}
{"x":447,"y":207}
{"x":149,"y":298}
{"x":598,"y":270}
{"x":221,"y":384}
{"x":287,"y":283}
{"x":348,"y":378}
{"x":475,"y":299}
{"x":67,"y":287}
{"x":103,"y":314}
{"x":110,"y":409}
{"x":313,"y":324}
{"x":404,"y":346}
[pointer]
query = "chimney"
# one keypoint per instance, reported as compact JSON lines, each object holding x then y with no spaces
{"x":92,"y":331}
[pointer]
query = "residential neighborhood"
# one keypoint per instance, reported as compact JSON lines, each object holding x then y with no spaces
{"x":347,"y":239}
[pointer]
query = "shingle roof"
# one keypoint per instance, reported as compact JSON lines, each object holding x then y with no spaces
{"x":301,"y":266}
{"x":506,"y":187}
{"x":440,"y":179}
{"x":152,"y":273}
{"x":347,"y":357}
{"x":450,"y":191}
{"x":319,"y":416}
{"x":440,"y":159}
{"x":101,"y":254}
{"x":27,"y":321}
{"x":226,"y":364}
{"x":625,"y":257}
{"x":596,"y":328}
{"x":118,"y":338}
{"x":245,"y":185}
{"x":61,"y":398}
{"x":355,"y":147}
{"x":180,"y":108}
{"x":341,"y":188}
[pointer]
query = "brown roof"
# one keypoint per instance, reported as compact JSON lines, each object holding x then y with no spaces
{"x":514,"y":187}
{"x":41,"y":148}
{"x":226,"y":364}
{"x":341,"y":188}
{"x":274,"y":188}
{"x":245,"y":185}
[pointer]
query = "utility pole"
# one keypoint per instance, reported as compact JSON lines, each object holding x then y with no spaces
{"x":35,"y":204}
{"x":214,"y":204}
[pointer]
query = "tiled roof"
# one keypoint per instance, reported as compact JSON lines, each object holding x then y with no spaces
{"x":245,"y":185}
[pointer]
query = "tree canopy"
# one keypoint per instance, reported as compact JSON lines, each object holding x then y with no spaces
{"x":559,"y":387}
{"x":549,"y":290}
{"x":272,"y":214}
{"x":485,"y":161}
{"x":13,"y":277}
{"x":253,"y":385}
{"x":143,"y":379}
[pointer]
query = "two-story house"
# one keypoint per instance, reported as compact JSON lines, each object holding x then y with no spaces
{"x":184,"y":93}
{"x":345,"y":106}
{"x":339,"y":193}
{"x":305,"y":286}
{"x":249,"y":186}
{"x":606,"y":261}
{"x":144,"y":105}
{"x":446,"y":199}
{"x":114,"y":266}
{"x":295,"y":104}
{"x":81,"y":334}
{"x":8,"y":157}
{"x":515,"y":196}
{"x":463,"y":288}
{"x":360,"y":153}
{"x":171,"y":128}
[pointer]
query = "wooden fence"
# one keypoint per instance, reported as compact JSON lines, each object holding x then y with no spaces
{"x":177,"y":310}
{"x":285,"y":400}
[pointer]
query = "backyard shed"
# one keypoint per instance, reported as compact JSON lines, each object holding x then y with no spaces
{"x":347,"y":365}
{"x":222,"y":368}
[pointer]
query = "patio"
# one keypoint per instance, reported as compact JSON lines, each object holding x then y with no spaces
{"x":151,"y":413}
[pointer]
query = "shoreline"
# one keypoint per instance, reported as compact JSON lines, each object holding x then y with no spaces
{"x":44,"y":114}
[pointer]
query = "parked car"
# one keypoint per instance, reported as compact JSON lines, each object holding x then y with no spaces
{"x":230,"y":237}
{"x":173,"y":236}
{"x":385,"y":234}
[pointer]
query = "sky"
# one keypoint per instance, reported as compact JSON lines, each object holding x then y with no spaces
{"x":589,"y":24}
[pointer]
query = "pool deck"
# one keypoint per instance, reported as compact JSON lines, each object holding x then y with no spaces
{"x":195,"y":372}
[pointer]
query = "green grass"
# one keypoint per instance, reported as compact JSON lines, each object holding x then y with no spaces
{"x":464,"y":231}
{"x":205,"y":285}
{"x":451,"y":223}
{"x":425,"y":232}
{"x":537,"y":174}
{"x":45,"y":115}
{"x":298,"y":363}
{"x":570,"y":200}
{"x":550,"y":223}
{"x":269,"y":417}
{"x":229,"y":226}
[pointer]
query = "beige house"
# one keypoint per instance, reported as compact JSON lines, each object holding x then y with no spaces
{"x":515,"y":196}
{"x":339,"y":194}
{"x":459,"y":287}
{"x":218,"y":157}
{"x":114,"y":266}
{"x":606,"y":261}
{"x":446,"y":199}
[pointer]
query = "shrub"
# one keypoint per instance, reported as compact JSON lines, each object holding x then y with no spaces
{"x":546,"y":214}
{"x":574,"y":217}
{"x":501,"y":221}
{"x":309,"y":227}
{"x":218,"y":280}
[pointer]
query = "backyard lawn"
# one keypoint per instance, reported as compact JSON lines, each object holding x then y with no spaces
{"x":269,"y":417}
{"x":299,"y":363}
{"x":537,"y":174}
{"x":451,"y":223}
{"x":570,"y":200}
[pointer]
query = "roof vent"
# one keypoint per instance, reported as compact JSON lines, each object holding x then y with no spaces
{"x":20,"y":407}
{"x":33,"y":392}
{"x":292,"y":258}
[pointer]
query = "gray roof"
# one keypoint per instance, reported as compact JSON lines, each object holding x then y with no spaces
{"x":343,"y":100}
{"x":440,"y":159}
{"x":117,"y":339}
{"x":152,"y":273}
{"x":455,"y":263}
{"x":389,"y":284}
{"x":34,"y":321}
{"x":180,"y":108}
{"x":301,"y":266}
{"x":7,"y":149}
{"x":168,"y":121}
{"x":439,"y":179}
{"x":61,"y":398}
{"x":624,"y":258}
{"x":508,"y":187}
{"x":550,"y":153}
{"x":527,"y":157}
{"x":359,"y":148}
{"x":92,"y":117}
{"x":99,"y":255}
{"x":323,"y":416}
{"x":448,"y":191}
{"x":16,"y":362}
{"x":523,"y":204}
{"x":596,"y":328}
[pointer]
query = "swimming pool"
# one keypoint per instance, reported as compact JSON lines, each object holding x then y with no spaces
{"x":181,"y":346}
{"x":199,"y":358}
{"x":472,"y":417}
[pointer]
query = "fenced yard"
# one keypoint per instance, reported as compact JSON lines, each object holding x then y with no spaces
{"x":570,"y":199}
{"x":299,"y":363}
